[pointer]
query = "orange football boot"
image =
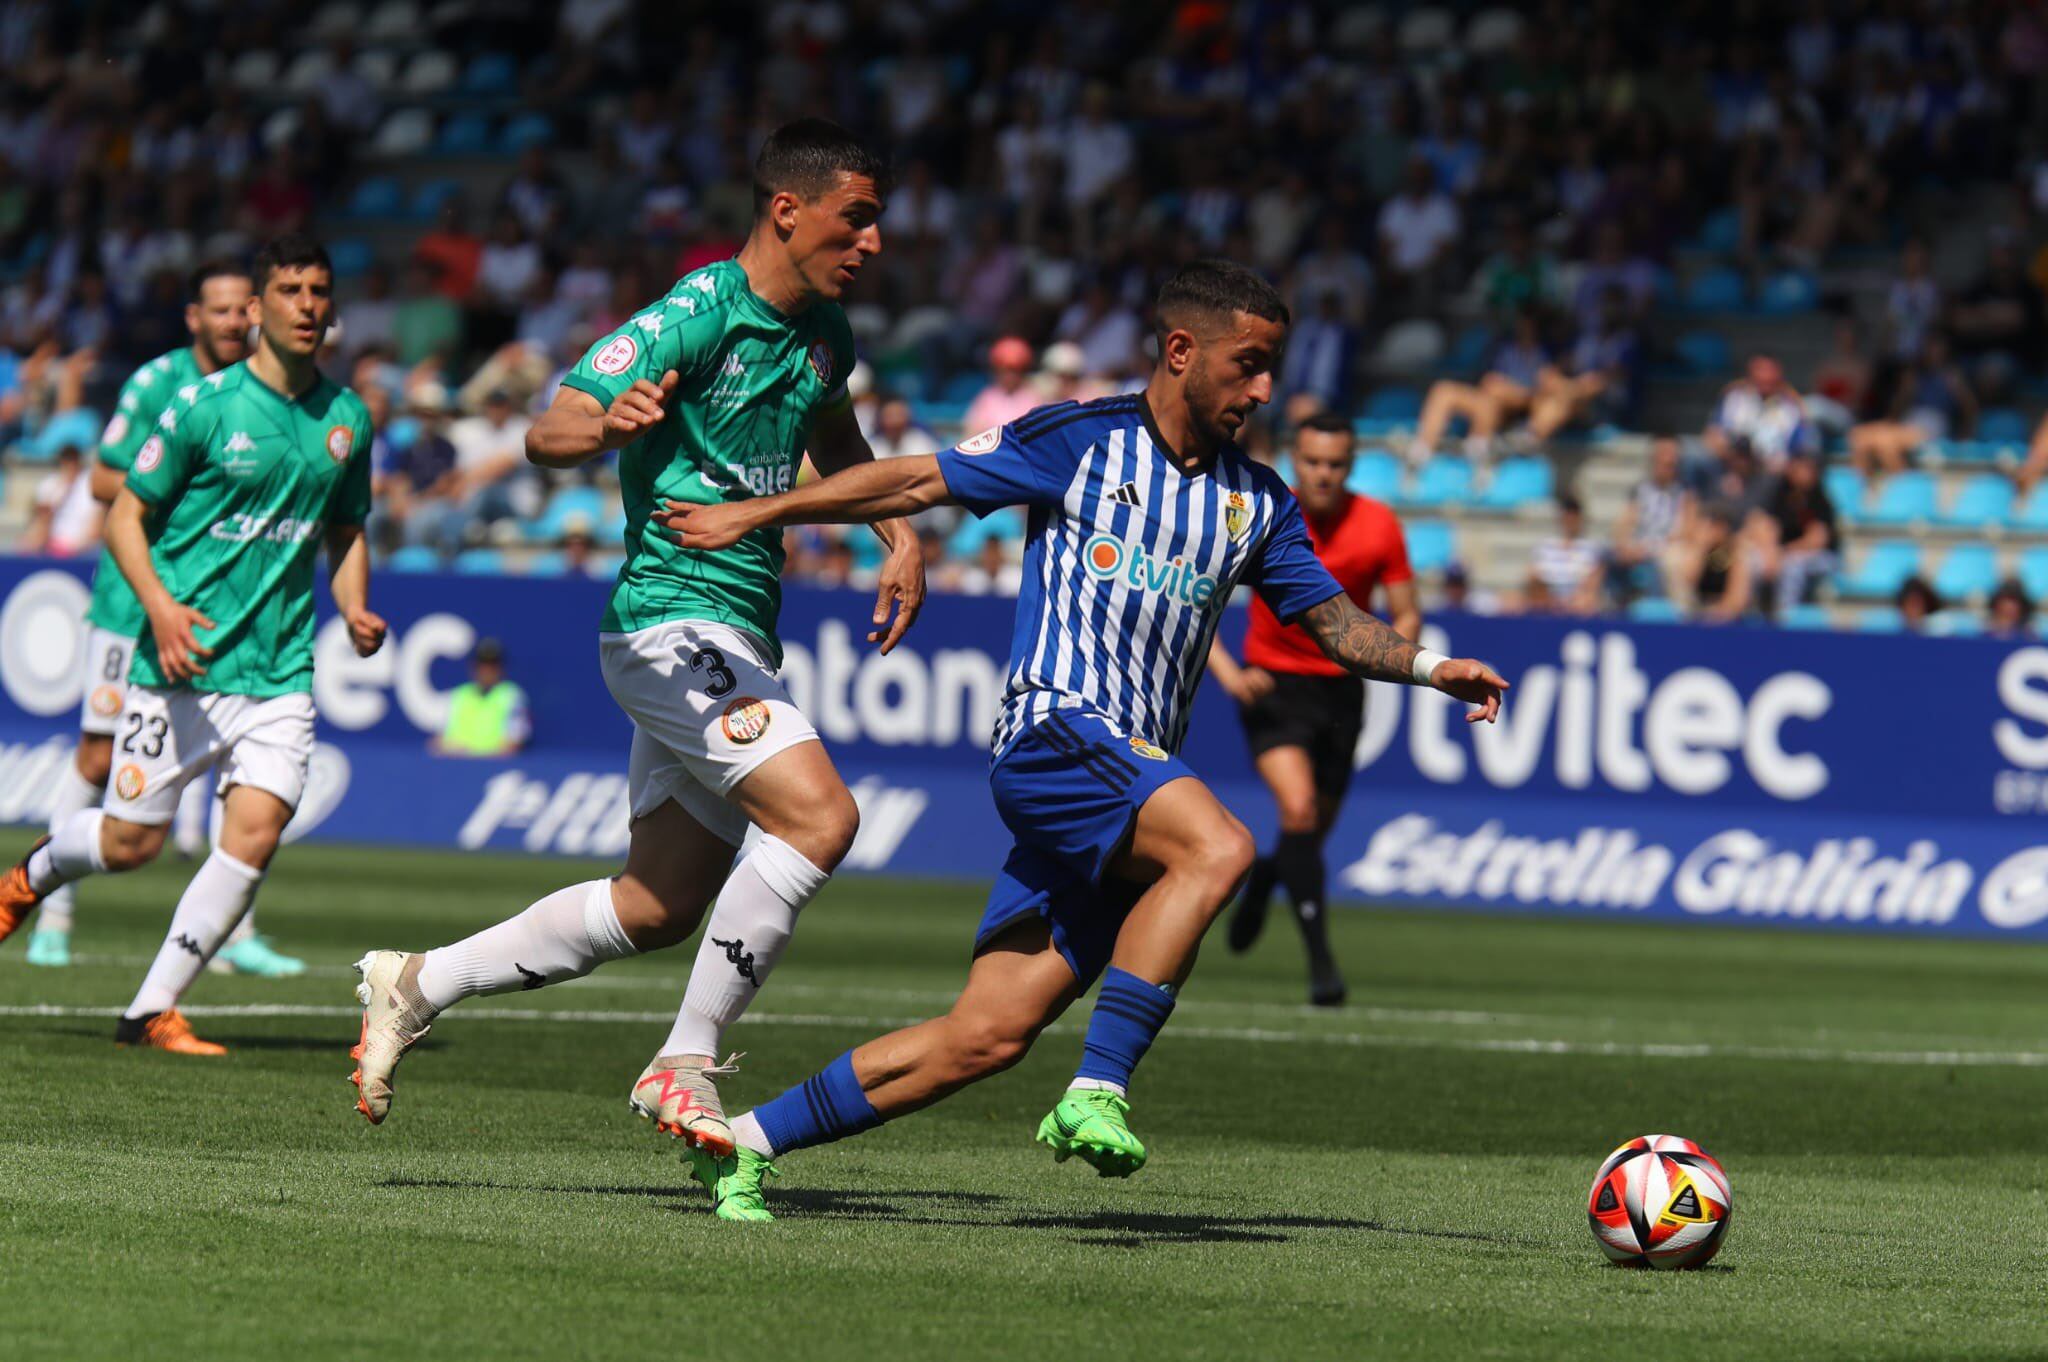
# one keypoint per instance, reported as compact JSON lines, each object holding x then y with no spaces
{"x":17,"y":899}
{"x":166,"y":1030}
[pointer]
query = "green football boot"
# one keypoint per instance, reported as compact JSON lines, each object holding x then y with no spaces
{"x":734,"y":1181}
{"x":255,"y":955}
{"x":50,"y":946}
{"x":1090,"y":1122}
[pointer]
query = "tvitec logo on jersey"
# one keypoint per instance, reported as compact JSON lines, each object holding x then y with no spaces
{"x":1112,"y":560}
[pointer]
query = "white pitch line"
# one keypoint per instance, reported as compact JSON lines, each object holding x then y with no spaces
{"x":1513,"y":1045}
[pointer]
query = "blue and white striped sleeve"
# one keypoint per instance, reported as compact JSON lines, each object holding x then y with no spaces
{"x":994,"y":469}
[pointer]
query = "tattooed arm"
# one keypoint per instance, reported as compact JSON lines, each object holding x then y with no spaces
{"x":1370,"y":648}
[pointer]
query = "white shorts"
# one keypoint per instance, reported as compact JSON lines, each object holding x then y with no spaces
{"x":105,"y":680}
{"x":706,"y":710}
{"x":167,"y":738}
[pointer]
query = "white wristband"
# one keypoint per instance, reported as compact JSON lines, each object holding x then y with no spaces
{"x":1425,"y":666}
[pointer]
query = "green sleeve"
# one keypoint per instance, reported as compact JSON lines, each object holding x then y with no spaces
{"x":128,"y":427}
{"x":681,"y":332}
{"x":165,"y":461}
{"x":351,"y":503}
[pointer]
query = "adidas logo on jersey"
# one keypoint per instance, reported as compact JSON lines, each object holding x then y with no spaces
{"x":1127,"y":495}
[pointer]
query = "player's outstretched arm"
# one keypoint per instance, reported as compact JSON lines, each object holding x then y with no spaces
{"x":576,"y":427}
{"x":836,"y":444}
{"x":878,"y":490}
{"x":178,"y":649}
{"x":348,"y":558}
{"x":1369,"y":648}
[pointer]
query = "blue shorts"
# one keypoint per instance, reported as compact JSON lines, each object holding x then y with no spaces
{"x":1069,"y":791}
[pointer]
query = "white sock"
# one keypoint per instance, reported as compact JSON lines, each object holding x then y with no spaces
{"x":220,"y":892}
{"x":72,"y":853}
{"x":564,"y":936}
{"x":747,"y":1134}
{"x":75,"y":794}
{"x":749,"y":927}
{"x":244,"y":929}
{"x":1097,"y":1085}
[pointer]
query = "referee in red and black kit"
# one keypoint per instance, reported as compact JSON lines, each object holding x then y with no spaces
{"x":1302,"y":713}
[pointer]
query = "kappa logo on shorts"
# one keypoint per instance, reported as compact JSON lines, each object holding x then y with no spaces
{"x":129,"y":782}
{"x":1148,"y":750}
{"x":982,"y":443}
{"x":106,"y":701}
{"x":340,"y":442}
{"x":745,"y":720}
{"x":617,"y":356}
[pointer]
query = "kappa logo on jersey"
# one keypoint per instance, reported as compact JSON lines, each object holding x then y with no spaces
{"x":129,"y":782}
{"x":1112,"y":560}
{"x":703,"y":283}
{"x":117,"y":429}
{"x":150,"y":455}
{"x":982,"y":443}
{"x":106,"y":701}
{"x":821,"y":362}
{"x":1237,"y":515}
{"x":732,"y":368}
{"x":239,"y":443}
{"x":188,"y":392}
{"x":341,"y":441}
{"x":1150,"y":751}
{"x":617,"y":356}
{"x":1127,"y":495}
{"x":167,"y":419}
{"x":650,"y":322}
{"x":745,"y":720}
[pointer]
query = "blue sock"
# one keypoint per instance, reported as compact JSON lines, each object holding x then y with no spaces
{"x":827,"y":1106}
{"x":1128,"y":1015}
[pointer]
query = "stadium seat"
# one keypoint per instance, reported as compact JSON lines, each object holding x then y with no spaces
{"x":967,"y":540}
{"x":1444,"y":481}
{"x":1846,"y":489}
{"x":1429,"y":29}
{"x":1705,"y":352}
{"x":1981,"y":503}
{"x":254,"y":70}
{"x":428,"y":198}
{"x":480,"y":562}
{"x":1788,"y":293}
{"x":1721,"y":233}
{"x":1375,"y":474}
{"x":2033,"y":572}
{"x":1492,"y":32}
{"x":587,"y":502}
{"x":464,"y":135}
{"x":308,"y":72}
{"x":379,"y":69}
{"x":2032,"y":512}
{"x":338,"y":19}
{"x":1469,"y":352}
{"x":1413,"y":346}
{"x":351,"y":257}
{"x":377,"y":197}
{"x":554,"y":563}
{"x":491,"y":74}
{"x":1517,"y":483}
{"x":1806,"y":615}
{"x":429,"y":73}
{"x":1654,"y":610}
{"x":526,"y":130}
{"x":1432,"y":545}
{"x":1718,"y":289}
{"x":1903,"y":499}
{"x":1956,"y":624}
{"x":1885,"y":569}
{"x":2002,"y":426}
{"x":1969,"y":571}
{"x":1881,"y":619}
{"x":413,"y":558}
{"x":1356,"y":26}
{"x":405,"y":133}
{"x":279,"y":128}
{"x":1394,"y":404}
{"x":394,"y":20}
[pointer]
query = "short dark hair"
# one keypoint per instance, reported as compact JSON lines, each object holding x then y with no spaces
{"x":807,"y":156}
{"x":1215,"y":289}
{"x":1327,"y":422}
{"x":218,"y":268}
{"x":291,"y":251}
{"x":1569,"y":504}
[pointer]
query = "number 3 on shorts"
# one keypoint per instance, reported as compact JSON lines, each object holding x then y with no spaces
{"x":722,"y":679}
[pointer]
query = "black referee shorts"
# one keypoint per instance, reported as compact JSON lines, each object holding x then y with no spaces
{"x":1320,"y":714}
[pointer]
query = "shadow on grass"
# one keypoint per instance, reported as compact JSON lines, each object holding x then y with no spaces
{"x":904,"y":1206}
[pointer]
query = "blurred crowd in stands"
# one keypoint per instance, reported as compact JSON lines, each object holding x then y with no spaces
{"x":1514,"y":209}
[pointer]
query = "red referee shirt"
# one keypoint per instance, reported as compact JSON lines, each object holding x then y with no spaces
{"x":1361,"y":545}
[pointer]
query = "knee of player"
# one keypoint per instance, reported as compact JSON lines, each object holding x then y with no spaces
{"x":829,"y":830}
{"x":1228,"y":851}
{"x":127,"y":846}
{"x":1299,"y":815}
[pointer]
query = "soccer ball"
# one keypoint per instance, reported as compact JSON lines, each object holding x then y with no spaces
{"x":1660,"y":1201}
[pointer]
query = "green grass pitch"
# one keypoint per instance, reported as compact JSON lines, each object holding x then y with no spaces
{"x":1404,"y":1179}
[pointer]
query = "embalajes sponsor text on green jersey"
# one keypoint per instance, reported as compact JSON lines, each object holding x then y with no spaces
{"x":243,"y":482}
{"x":143,"y":398}
{"x":749,"y":381}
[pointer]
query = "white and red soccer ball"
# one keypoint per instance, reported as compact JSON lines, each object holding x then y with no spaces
{"x":1660,"y":1201}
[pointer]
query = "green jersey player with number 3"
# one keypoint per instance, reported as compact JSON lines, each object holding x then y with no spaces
{"x":226,"y":505}
{"x":711,"y":394}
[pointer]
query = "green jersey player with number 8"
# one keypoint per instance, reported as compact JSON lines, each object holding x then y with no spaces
{"x":712,"y":394}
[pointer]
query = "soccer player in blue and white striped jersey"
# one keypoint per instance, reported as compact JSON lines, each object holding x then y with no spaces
{"x":1144,"y":516}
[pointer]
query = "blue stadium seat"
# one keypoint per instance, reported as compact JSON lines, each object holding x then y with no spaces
{"x":1469,"y":353}
{"x":1398,"y":404}
{"x":1970,"y":570}
{"x":1432,"y":545}
{"x":480,"y":562}
{"x":1518,"y":483}
{"x":1845,"y":488}
{"x":1721,"y":233}
{"x":1884,"y":571}
{"x":1654,"y":610}
{"x":2033,"y":572}
{"x":1443,"y":481}
{"x":379,"y":196}
{"x":428,"y":198}
{"x":546,"y":527}
{"x":466,"y":134}
{"x":1904,"y":499}
{"x":963,"y":388}
{"x":2002,"y":426}
{"x":1005,"y":524}
{"x":350,"y":256}
{"x":1705,"y":352}
{"x":1718,"y":289}
{"x":1806,"y":615}
{"x":413,"y":558}
{"x":554,"y":563}
{"x":526,"y":130}
{"x":1881,"y":619}
{"x":1375,"y":474}
{"x":491,"y":74}
{"x":1982,"y":502}
{"x":1956,"y":624}
{"x":2032,"y":512}
{"x":1788,"y":294}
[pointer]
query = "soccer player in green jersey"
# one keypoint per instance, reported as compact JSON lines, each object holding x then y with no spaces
{"x":216,"y":528}
{"x":217,"y":315}
{"x":711,"y":394}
